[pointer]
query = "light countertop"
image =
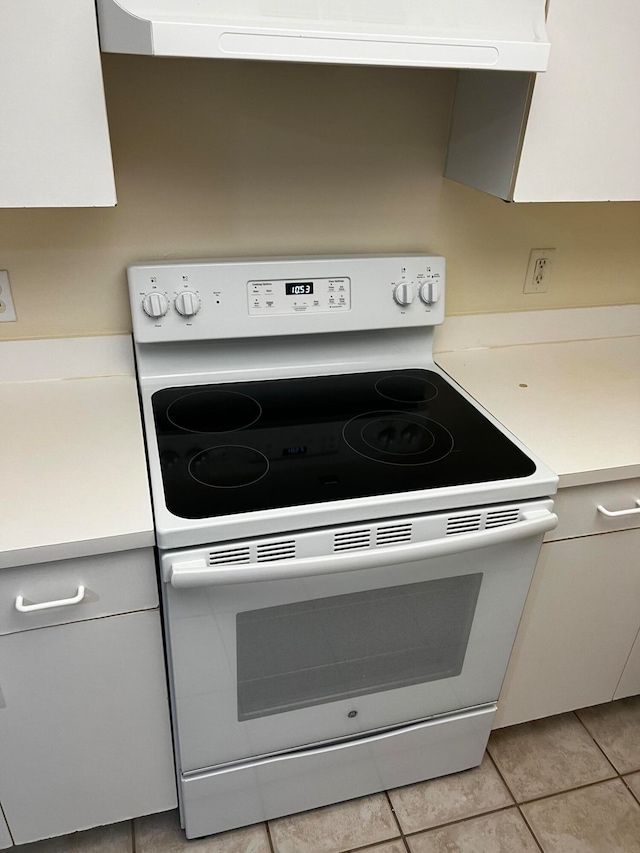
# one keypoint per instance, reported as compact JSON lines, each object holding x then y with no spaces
{"x":574,"y":401}
{"x":73,"y":477}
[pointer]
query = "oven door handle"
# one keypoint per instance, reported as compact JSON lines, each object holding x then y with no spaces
{"x":183,"y":573}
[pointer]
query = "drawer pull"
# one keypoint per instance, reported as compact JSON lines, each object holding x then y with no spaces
{"x":620,"y":512}
{"x":63,"y":602}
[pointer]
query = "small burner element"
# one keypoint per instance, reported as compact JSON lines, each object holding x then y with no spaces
{"x":398,"y":438}
{"x":406,"y":389}
{"x":214,"y":411}
{"x":228,"y":467}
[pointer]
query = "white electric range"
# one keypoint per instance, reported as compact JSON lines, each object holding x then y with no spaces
{"x":346,"y":538}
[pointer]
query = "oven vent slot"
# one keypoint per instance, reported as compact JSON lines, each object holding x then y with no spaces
{"x":464,"y":523}
{"x":270,"y":551}
{"x":352,"y":540}
{"x":393,"y":534}
{"x":229,"y":556}
{"x":500,"y":517}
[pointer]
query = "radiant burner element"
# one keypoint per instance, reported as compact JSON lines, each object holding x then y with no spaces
{"x":406,"y":389}
{"x":214,"y":411}
{"x":398,"y":438}
{"x":229,"y":467}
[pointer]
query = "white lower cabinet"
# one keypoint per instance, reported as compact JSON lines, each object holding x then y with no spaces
{"x":575,"y":644}
{"x":84,"y":720}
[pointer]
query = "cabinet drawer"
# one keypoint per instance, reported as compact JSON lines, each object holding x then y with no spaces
{"x":113,"y":583}
{"x":578,"y":514}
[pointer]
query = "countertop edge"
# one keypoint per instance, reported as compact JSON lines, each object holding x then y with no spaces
{"x":604,"y":475}
{"x":70,"y":550}
{"x":47,"y":359}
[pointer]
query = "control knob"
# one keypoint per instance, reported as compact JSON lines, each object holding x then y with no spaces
{"x":403,"y":293}
{"x":430,"y":292}
{"x":155,"y":305}
{"x":187,"y":303}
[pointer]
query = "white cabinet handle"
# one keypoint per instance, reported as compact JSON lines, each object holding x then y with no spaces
{"x":62,"y":602}
{"x":620,"y":512}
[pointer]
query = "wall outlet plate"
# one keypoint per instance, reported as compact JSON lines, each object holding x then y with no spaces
{"x":7,"y":311}
{"x":539,"y":271}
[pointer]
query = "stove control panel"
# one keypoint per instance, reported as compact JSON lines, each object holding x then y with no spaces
{"x":299,"y":296}
{"x":261,"y":297}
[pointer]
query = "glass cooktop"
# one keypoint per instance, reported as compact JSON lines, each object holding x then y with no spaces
{"x":234,"y":448}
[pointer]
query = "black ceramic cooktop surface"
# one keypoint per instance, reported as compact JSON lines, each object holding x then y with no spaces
{"x":234,"y":448}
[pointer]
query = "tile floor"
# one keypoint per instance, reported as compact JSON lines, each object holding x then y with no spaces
{"x":566,"y":784}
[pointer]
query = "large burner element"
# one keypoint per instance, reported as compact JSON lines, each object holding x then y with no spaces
{"x":213,"y":411}
{"x":398,"y":438}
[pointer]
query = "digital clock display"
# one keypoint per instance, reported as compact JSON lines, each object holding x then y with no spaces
{"x":298,"y":288}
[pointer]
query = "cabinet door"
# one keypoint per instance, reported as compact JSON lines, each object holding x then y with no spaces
{"x":569,"y":134}
{"x":581,"y":141}
{"x":54,"y":145}
{"x":578,"y":626}
{"x":84,"y":734}
{"x":629,"y":684}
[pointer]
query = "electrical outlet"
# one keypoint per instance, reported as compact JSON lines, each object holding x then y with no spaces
{"x":7,"y":311}
{"x":539,"y":271}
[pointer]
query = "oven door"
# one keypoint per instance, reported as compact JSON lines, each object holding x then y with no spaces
{"x":329,"y":646}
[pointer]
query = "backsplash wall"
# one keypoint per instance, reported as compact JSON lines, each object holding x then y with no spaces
{"x":218,"y":158}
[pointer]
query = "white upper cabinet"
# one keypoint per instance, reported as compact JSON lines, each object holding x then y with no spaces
{"x":54,"y":144}
{"x":570,"y":134}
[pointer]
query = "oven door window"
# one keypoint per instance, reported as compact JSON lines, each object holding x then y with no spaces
{"x":312,"y":652}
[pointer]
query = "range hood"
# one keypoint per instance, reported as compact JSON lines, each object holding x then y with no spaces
{"x":506,"y":35}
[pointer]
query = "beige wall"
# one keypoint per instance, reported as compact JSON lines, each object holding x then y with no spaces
{"x":232,"y":158}
{"x":487,"y":244}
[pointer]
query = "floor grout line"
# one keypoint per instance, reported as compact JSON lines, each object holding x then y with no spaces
{"x":593,"y":738}
{"x":272,"y":847}
{"x":501,"y":775}
{"x":461,"y":820}
{"x":531,"y":830}
{"x":636,"y":796}
{"x":395,"y":816}
{"x":374,"y":844}
{"x":568,"y":791}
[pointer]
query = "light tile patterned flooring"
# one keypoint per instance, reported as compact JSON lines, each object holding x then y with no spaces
{"x":566,"y":784}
